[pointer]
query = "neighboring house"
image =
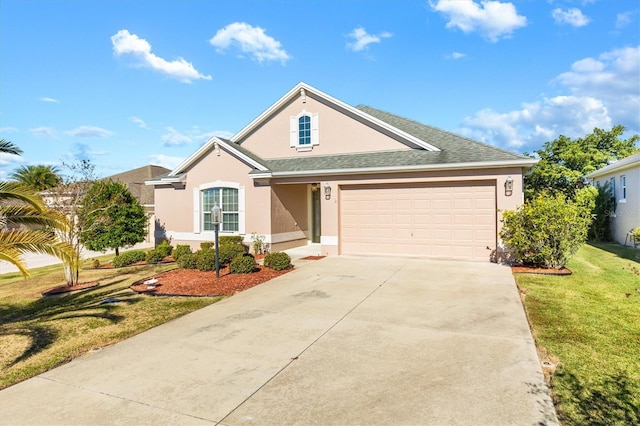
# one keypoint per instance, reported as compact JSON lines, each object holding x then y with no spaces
{"x":623,"y":178}
{"x":356,"y":180}
{"x":135,"y":182}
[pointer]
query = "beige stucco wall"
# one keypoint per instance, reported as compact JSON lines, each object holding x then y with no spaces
{"x":627,"y":214}
{"x":174,"y":207}
{"x":339,"y":133}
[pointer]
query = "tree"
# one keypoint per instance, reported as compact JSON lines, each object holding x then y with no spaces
{"x":112,"y":216}
{"x":564,"y":162}
{"x":7,"y":147}
{"x":38,"y":177}
{"x":27,"y":225}
{"x":67,"y":198}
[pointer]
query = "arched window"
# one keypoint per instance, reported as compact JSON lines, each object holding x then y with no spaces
{"x":227,"y":199}
{"x":304,"y":130}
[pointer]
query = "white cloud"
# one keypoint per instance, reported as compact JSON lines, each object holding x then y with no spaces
{"x":455,"y":55}
{"x":89,"y":132}
{"x":125,"y":43}
{"x":360,"y":39}
{"x":492,"y":19}
{"x":174,"y":138}
{"x":8,"y":129}
{"x":43,"y":131}
{"x":573,"y":17}
{"x":139,"y":122}
{"x":623,"y":19}
{"x":52,"y":100}
{"x":165,"y":160}
{"x":251,"y":40}
{"x":602,"y":92}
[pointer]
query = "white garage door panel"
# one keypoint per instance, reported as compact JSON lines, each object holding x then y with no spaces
{"x":454,"y":220}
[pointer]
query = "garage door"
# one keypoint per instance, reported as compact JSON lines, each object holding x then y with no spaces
{"x":451,"y":220}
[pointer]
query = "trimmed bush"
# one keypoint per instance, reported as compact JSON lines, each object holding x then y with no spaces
{"x":242,"y":265}
{"x":206,"y":260}
{"x":230,"y":239}
{"x":188,"y":261}
{"x":228,"y":252}
{"x":164,"y":248}
{"x":181,"y":250}
{"x":155,"y":255}
{"x":128,"y":257}
{"x":95,"y":263}
{"x":208,"y":245}
{"x":546,"y":231}
{"x":278,"y":260}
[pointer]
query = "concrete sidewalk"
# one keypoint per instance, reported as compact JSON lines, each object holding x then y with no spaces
{"x":342,"y":340}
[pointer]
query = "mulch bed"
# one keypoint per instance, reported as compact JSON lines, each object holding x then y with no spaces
{"x":313,"y":257}
{"x":519,"y":269}
{"x":191,"y":282}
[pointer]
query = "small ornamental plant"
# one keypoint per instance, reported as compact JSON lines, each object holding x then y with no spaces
{"x":278,"y":260}
{"x":164,"y":248}
{"x":206,"y":260}
{"x":181,"y":250}
{"x":243,"y":265}
{"x":188,"y":261}
{"x":155,"y":255}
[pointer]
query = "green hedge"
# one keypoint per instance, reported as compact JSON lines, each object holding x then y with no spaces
{"x":278,"y":260}
{"x":181,"y":250}
{"x":128,"y":257}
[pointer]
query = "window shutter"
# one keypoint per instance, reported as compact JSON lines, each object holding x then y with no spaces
{"x":293,"y":132}
{"x":196,"y":210}
{"x":315,"y":132}
{"x":241,"y":210}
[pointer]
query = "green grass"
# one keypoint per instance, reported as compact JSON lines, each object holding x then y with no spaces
{"x":589,"y":322}
{"x":39,"y":333}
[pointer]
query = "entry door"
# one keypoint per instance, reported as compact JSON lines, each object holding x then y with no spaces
{"x":315,"y":215}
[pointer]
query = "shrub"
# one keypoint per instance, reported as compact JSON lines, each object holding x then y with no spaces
{"x":605,"y":205}
{"x":207,"y":245}
{"x":227,"y":252}
{"x":206,"y":260}
{"x":242,"y":265}
{"x":164,"y":248}
{"x":230,"y":239}
{"x":278,"y":260}
{"x":155,"y":255}
{"x":546,"y":231}
{"x":181,"y":250}
{"x":257,"y":241}
{"x":636,"y":236}
{"x":95,"y":263}
{"x":128,"y":257}
{"x":188,"y":261}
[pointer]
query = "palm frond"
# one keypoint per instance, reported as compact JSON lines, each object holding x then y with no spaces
{"x":15,"y":191}
{"x":7,"y":147}
{"x":26,"y":215}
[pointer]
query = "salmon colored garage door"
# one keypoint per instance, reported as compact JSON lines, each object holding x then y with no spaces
{"x":449,"y":220}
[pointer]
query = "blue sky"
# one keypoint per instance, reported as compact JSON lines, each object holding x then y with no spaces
{"x":131,"y":83}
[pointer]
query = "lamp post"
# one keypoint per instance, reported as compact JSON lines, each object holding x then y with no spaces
{"x":216,"y":218}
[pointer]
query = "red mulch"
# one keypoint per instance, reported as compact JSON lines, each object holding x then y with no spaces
{"x":519,"y":269}
{"x":313,"y":257}
{"x":67,"y":289}
{"x":191,"y":282}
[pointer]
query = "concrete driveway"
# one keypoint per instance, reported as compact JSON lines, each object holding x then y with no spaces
{"x":342,"y":340}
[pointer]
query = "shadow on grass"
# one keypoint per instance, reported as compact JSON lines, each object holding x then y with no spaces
{"x":623,"y":252}
{"x":614,"y":400}
{"x":31,"y":319}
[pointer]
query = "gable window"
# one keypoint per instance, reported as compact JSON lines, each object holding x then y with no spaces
{"x":623,"y":188}
{"x":304,"y":131}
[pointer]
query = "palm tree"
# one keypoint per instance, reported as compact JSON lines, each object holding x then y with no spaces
{"x":38,"y":177}
{"x":7,"y":147}
{"x":21,"y":205}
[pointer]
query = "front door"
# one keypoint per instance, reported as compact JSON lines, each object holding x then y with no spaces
{"x":315,"y":215}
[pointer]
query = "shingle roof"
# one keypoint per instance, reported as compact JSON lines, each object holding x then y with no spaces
{"x":134,"y":179}
{"x":454,"y":151}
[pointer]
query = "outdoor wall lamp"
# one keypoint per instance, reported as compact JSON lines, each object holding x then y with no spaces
{"x":216,"y":218}
{"x":327,"y":191}
{"x":508,"y":186}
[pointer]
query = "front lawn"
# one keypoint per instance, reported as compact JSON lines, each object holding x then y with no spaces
{"x":589,"y":324}
{"x":39,"y":333}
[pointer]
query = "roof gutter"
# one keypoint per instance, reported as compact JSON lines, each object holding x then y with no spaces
{"x":526,"y":163}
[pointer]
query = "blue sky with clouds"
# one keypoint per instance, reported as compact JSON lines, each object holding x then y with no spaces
{"x":130,"y":83}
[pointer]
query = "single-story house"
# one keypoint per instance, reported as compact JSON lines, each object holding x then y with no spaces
{"x":623,"y":177}
{"x":355,"y":180}
{"x":135,"y":181}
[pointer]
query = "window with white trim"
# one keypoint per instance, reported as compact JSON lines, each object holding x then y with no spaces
{"x":304,"y":131}
{"x":623,"y":188}
{"x":612,"y":184}
{"x":227,"y":199}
